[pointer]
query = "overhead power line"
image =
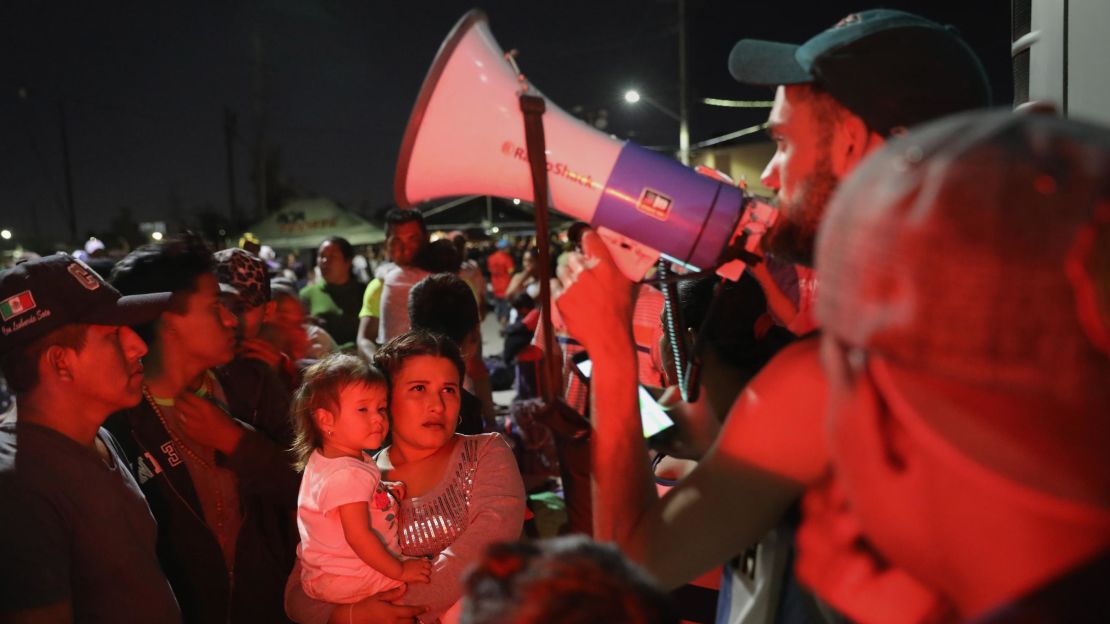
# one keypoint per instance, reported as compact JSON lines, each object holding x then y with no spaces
{"x":730,"y":136}
{"x":738,"y":103}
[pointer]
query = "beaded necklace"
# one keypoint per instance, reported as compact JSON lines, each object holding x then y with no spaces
{"x":177,"y":441}
{"x":215,"y":481}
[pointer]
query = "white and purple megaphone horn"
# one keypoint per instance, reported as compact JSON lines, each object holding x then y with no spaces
{"x":466,"y":137}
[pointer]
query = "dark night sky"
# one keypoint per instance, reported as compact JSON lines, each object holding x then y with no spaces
{"x":145,"y":84}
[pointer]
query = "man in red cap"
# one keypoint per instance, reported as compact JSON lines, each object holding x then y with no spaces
{"x":968,"y":415}
{"x":77,"y":536}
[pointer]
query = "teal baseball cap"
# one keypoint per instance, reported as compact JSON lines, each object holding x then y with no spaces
{"x":891,"y":68}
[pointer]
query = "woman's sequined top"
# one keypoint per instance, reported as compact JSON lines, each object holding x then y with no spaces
{"x":430,"y":523}
{"x":478,"y":501}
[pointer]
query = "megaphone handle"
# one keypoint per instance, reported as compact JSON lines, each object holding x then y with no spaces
{"x":533,"y":108}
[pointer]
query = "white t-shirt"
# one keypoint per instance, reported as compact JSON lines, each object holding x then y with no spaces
{"x":384,"y":269}
{"x":331,"y":570}
{"x":395,"y":301}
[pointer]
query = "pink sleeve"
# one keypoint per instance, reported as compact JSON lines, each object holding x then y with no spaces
{"x":350,"y":484}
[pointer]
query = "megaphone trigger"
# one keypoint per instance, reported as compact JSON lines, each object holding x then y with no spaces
{"x":632,"y":258}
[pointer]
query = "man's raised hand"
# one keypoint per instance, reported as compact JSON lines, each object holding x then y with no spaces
{"x":595,"y":299}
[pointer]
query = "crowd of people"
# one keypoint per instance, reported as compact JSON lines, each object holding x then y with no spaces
{"x":897,"y":414}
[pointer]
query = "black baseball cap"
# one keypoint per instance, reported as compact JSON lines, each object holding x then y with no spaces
{"x":891,"y":68}
{"x":44,"y":294}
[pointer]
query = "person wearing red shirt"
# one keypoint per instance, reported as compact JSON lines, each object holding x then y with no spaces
{"x":501,"y":267}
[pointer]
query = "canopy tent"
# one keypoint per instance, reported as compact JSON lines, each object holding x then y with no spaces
{"x":481,"y":211}
{"x":305,"y":223}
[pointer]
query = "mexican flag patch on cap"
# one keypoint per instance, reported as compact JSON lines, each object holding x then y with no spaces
{"x":17,"y":304}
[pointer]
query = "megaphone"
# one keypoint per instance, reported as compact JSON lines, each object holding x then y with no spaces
{"x":466,"y":137}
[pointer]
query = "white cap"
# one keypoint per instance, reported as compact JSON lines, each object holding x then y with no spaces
{"x":93,"y":245}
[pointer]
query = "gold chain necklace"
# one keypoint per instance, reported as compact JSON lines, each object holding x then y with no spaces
{"x":178,"y":441}
{"x":203,"y":462}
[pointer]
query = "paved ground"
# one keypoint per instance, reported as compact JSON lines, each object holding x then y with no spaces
{"x":494,"y":344}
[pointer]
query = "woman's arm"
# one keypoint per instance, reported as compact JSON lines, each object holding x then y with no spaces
{"x":496,"y":515}
{"x":517,"y":284}
{"x":377,"y":608}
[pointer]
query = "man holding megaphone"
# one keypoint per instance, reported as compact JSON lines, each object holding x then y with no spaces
{"x":838,"y":97}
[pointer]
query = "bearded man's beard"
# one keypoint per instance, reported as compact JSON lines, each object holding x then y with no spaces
{"x":794,"y":235}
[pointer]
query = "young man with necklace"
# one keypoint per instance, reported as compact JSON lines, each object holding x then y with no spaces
{"x":223,"y":490}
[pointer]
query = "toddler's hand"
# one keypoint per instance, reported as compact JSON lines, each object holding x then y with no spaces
{"x":415,"y":570}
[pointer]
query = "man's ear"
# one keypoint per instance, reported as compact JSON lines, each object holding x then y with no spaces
{"x":854,"y":142}
{"x":856,"y":393}
{"x":892,"y":438}
{"x":167,"y":322}
{"x":58,"y":362}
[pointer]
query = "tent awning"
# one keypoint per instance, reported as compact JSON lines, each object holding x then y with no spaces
{"x":305,"y":223}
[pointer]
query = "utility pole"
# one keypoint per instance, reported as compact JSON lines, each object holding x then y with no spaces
{"x":683,"y":128}
{"x":231,"y":123}
{"x":71,"y":210}
{"x":260,"y":113}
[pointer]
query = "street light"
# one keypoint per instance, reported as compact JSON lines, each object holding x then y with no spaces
{"x":6,"y":234}
{"x":156,"y":236}
{"x":633,"y":96}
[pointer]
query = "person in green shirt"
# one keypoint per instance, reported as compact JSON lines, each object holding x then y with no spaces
{"x":335,"y":300}
{"x":368,"y":318}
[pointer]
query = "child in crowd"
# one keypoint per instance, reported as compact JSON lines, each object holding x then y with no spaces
{"x":346,"y":515}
